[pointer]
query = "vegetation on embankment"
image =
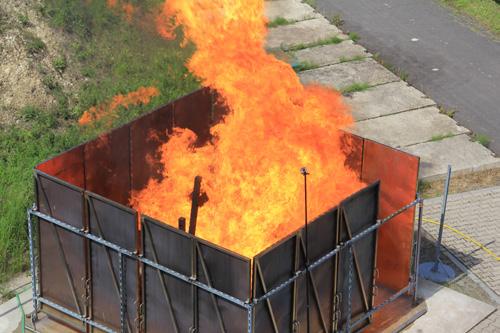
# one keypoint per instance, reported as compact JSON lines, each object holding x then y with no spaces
{"x":113,"y":56}
{"x":485,"y":12}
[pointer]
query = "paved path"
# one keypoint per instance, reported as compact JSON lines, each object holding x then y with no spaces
{"x":453,"y":64}
{"x":389,"y":111}
{"x":477,"y":214}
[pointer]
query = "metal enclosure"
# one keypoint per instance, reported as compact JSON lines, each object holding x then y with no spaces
{"x":104,"y":267}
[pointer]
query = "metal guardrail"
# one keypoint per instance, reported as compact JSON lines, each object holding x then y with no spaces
{"x":248,"y":305}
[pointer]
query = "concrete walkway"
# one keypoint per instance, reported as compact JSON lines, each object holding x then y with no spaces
{"x":389,"y":111}
{"x":474,"y":214}
{"x":454,"y":64}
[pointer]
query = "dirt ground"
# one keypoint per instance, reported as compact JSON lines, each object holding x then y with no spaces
{"x":29,"y":46}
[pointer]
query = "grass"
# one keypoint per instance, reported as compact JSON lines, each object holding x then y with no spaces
{"x":304,"y":66}
{"x":484,"y":12}
{"x":34,"y":45}
{"x":24,"y":20}
{"x":354,"y":36}
{"x":111,"y":54}
{"x":337,"y":20}
{"x":447,"y":111}
{"x":396,"y":70}
{"x":60,"y":64}
{"x":319,"y":42}
{"x":355,"y":87}
{"x":278,"y":22}
{"x":482,"y":139}
{"x":311,"y":3}
{"x":353,"y":58}
{"x":440,"y":137}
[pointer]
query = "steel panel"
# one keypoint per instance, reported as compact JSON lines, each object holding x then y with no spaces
{"x":67,"y":166}
{"x":173,"y":249}
{"x":398,"y":174}
{"x":116,"y":224}
{"x":360,"y":213}
{"x":227,"y":271}
{"x":107,"y":165}
{"x":194,"y":111}
{"x":352,"y":146}
{"x":62,"y":267}
{"x":113,"y":222}
{"x":105,"y":292}
{"x":147,"y":134}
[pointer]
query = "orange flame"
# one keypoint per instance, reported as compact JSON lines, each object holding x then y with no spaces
{"x":250,"y":170}
{"x":143,"y":95}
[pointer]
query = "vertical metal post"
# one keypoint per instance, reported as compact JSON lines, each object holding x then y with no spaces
{"x":349,"y":288}
{"x":304,"y":172}
{"x":250,"y":318}
{"x":32,"y":267}
{"x":123,"y":298}
{"x":417,"y":252}
{"x":441,"y":220}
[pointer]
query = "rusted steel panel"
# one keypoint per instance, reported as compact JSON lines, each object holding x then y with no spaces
{"x":398,"y":174}
{"x":352,"y":146}
{"x":194,"y":111}
{"x":67,"y":166}
{"x":107,"y":165}
{"x":147,"y":134}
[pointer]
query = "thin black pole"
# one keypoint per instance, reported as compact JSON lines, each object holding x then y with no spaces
{"x":304,"y":172}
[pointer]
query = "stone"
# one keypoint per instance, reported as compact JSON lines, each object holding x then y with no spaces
{"x":345,"y":74}
{"x":303,"y":32}
{"x":408,"y":128}
{"x":448,"y":310}
{"x":386,"y":99}
{"x":459,"y":151}
{"x":330,"y":54}
{"x":291,"y":10}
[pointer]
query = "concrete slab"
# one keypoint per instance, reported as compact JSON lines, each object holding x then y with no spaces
{"x":303,"y":32}
{"x":448,"y":310}
{"x":342,"y":75}
{"x":386,"y":99}
{"x":10,"y":315}
{"x":292,"y":10}
{"x":408,"y":128}
{"x":458,"y":151}
{"x":330,"y":54}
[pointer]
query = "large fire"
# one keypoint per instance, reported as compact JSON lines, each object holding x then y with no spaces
{"x":251,"y":169}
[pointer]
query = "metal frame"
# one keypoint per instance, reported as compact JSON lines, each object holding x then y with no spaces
{"x":248,"y":305}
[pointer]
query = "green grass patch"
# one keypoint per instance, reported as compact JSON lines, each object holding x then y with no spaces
{"x":319,"y":42}
{"x":116,"y":57}
{"x":440,"y":137}
{"x":354,"y":58}
{"x":60,"y":64}
{"x":354,"y":36}
{"x":311,"y":3}
{"x":403,"y":75}
{"x":34,"y":45}
{"x":484,"y":12}
{"x":24,"y":20}
{"x":447,"y":111}
{"x":278,"y":22}
{"x":482,"y":139}
{"x":304,"y":66}
{"x":337,"y":20}
{"x":355,"y":87}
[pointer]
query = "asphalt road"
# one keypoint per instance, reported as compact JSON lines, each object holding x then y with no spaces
{"x":445,"y":58}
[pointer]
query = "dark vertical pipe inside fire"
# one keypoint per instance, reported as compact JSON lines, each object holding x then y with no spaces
{"x":304,"y":172}
{"x":182,"y":223}
{"x":194,"y":204}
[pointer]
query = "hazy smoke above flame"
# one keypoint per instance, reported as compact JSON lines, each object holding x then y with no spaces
{"x":276,"y":125}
